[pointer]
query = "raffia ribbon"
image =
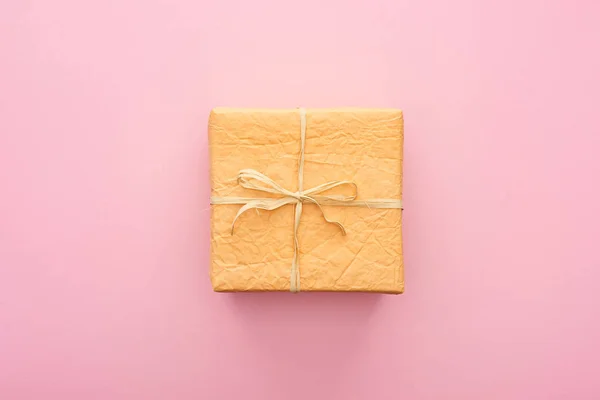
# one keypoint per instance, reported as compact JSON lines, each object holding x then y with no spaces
{"x":252,"y":179}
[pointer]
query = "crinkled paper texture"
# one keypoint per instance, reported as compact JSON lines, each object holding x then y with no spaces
{"x":362,"y":145}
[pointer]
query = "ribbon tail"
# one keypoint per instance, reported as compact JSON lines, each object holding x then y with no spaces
{"x":262,"y":204}
{"x":339,"y":225}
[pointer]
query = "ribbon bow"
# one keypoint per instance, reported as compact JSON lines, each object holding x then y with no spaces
{"x":246,"y":179}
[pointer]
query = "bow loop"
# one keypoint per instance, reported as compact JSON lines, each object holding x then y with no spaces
{"x":248,"y":178}
{"x":336,"y":197}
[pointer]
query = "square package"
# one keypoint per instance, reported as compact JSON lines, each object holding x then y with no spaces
{"x":306,"y":200}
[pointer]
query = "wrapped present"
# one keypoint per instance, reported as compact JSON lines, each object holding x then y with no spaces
{"x":306,"y":200}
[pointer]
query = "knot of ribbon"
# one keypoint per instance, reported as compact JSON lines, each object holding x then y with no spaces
{"x":254,"y":180}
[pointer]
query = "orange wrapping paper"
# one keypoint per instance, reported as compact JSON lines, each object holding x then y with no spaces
{"x":361,"y":145}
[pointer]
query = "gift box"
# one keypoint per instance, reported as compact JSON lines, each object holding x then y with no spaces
{"x":306,"y":200}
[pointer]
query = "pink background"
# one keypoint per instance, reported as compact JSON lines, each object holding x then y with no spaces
{"x":104,"y":289}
